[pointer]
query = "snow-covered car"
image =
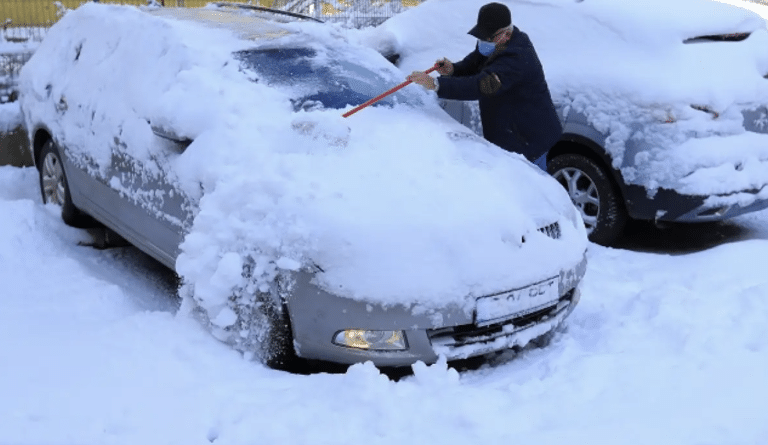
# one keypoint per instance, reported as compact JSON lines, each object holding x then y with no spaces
{"x":663,"y":103}
{"x":213,"y":140}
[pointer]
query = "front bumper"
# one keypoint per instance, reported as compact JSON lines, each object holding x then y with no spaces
{"x":316,"y":316}
{"x":671,"y":206}
{"x":469,"y":341}
{"x":717,"y":208}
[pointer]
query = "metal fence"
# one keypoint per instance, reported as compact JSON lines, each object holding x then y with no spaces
{"x":10,"y":65}
{"x":352,"y":13}
{"x":29,"y":19}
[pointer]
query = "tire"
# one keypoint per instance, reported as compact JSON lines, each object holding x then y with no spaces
{"x":278,"y":350}
{"x":270,"y":335}
{"x":594,"y":194}
{"x":55,"y":188}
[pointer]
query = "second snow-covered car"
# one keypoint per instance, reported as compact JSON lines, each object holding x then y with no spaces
{"x":663,"y":104}
{"x":213,"y":140}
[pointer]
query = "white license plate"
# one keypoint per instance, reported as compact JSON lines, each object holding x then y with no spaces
{"x":517,"y":302}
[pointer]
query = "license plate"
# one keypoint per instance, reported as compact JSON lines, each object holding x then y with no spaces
{"x":518,"y":302}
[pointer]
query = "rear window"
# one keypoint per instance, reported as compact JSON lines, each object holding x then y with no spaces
{"x":319,"y":80}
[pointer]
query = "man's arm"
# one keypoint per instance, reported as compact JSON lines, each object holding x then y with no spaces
{"x":469,"y":65}
{"x":496,"y":78}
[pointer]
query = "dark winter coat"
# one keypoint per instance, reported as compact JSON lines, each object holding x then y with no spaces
{"x":517,"y":114}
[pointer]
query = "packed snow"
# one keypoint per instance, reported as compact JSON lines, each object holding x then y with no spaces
{"x":667,"y":346}
{"x":625,"y":66}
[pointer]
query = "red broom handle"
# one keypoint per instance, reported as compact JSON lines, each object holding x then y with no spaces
{"x":384,"y":94}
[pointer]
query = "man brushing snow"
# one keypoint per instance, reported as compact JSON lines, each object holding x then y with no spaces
{"x":505,"y":75}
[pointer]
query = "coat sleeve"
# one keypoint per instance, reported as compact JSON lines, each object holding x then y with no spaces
{"x":469,"y":65}
{"x":483,"y":84}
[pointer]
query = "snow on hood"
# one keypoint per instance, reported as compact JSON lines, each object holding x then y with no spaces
{"x":392,"y":203}
{"x":625,"y":66}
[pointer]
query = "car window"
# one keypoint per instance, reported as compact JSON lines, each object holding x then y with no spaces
{"x":319,"y":80}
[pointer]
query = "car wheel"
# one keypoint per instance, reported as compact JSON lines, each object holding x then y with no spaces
{"x":55,"y":189}
{"x":277,"y":348}
{"x":268,"y":323}
{"x":594,"y":195}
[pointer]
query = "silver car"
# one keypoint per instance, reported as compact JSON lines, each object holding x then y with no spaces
{"x":292,"y":315}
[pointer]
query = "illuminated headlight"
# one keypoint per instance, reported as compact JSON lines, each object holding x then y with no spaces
{"x":372,"y":340}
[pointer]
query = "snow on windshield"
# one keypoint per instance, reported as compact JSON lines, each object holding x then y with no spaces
{"x":624,"y":65}
{"x":390,"y":203}
{"x":317,"y":80}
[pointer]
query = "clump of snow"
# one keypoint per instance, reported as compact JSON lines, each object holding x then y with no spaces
{"x":10,"y":117}
{"x":625,"y":66}
{"x":397,"y":205}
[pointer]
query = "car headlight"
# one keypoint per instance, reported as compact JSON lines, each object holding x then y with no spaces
{"x":371,"y":340}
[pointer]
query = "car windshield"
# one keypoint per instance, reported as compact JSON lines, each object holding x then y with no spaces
{"x":319,"y":80}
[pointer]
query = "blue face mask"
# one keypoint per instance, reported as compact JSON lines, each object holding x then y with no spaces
{"x":486,"y":48}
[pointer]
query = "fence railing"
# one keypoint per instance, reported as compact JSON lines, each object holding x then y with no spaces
{"x":28,"y":19}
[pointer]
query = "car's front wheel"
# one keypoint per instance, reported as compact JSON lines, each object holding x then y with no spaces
{"x":594,"y":195}
{"x":55,"y":188}
{"x":263,"y":327}
{"x":277,"y":348}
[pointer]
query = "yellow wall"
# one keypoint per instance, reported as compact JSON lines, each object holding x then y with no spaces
{"x":43,"y":12}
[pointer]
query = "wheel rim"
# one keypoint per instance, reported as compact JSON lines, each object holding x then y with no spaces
{"x":583,"y":192}
{"x":53,"y":180}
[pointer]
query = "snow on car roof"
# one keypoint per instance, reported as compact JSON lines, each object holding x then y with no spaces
{"x":245,"y":26}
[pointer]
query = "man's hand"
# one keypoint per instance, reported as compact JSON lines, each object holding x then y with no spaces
{"x":445,"y":67}
{"x":423,"y":79}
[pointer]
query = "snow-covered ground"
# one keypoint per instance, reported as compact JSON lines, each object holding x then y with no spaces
{"x":668,"y":346}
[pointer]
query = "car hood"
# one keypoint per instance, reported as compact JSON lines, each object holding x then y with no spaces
{"x":392,"y":206}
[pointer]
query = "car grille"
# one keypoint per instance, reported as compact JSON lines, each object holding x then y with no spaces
{"x":463,"y":336}
{"x":552,"y":230}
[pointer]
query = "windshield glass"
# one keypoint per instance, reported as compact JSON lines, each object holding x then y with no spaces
{"x":319,"y":80}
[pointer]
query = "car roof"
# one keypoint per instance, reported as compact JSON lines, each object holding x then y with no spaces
{"x":244,"y":25}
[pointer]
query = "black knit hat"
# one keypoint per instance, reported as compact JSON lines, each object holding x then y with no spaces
{"x":491,"y":18}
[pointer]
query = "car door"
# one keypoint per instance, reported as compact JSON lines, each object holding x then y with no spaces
{"x":152,"y":211}
{"x":133,"y":189}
